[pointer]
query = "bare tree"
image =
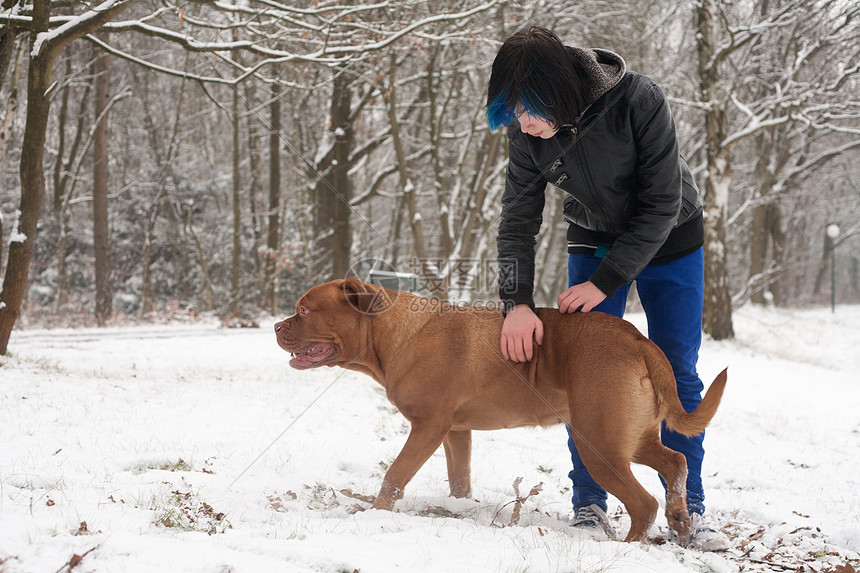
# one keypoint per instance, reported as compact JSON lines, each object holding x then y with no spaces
{"x":44,"y":47}
{"x":236,"y":258}
{"x":347,"y":38}
{"x":793,"y":95}
{"x":717,"y":317}
{"x":813,"y":71}
{"x":273,"y":234}
{"x":164,"y":176}
{"x":386,"y":153}
{"x":12,"y":51}
{"x":9,"y":55}
{"x":101,"y":232}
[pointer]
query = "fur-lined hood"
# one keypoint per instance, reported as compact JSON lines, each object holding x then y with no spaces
{"x":605,"y":68}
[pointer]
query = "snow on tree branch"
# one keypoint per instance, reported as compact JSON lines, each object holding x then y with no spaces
{"x":272,"y":35}
{"x":87,"y":22}
{"x":328,"y":53}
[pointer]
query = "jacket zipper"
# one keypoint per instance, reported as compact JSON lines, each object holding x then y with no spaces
{"x":575,"y":135}
{"x":586,"y":169}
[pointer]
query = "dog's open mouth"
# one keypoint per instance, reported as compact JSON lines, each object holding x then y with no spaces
{"x":310,"y":357}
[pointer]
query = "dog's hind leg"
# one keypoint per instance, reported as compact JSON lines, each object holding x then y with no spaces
{"x":611,"y":469}
{"x":458,"y":454}
{"x":672,"y":467}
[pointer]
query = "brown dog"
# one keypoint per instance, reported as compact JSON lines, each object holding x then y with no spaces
{"x":441,"y":367}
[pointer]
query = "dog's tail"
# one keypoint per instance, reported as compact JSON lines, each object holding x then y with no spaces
{"x":669,"y":405}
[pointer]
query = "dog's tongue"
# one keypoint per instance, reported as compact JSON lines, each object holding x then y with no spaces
{"x":300,"y":360}
{"x":313,"y":354}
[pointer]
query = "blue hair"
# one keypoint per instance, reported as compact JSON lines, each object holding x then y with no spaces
{"x":535,"y":72}
{"x":503,"y":109}
{"x":500,"y":112}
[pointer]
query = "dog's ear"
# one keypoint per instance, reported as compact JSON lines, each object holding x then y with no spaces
{"x":364,"y":297}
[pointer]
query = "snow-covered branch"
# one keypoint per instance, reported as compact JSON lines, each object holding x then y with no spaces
{"x":755,"y":125}
{"x":816,"y":161}
{"x":738,"y":37}
{"x":693,"y":104}
{"x":78,"y":27}
{"x":328,"y":53}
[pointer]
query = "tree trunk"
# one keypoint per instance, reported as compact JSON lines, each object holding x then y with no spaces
{"x":32,"y":178}
{"x":766,"y":253}
{"x":478,"y":192}
{"x":273,"y":235}
{"x":7,"y":49}
{"x":201,"y":257}
{"x":855,"y":277}
{"x":32,"y":171}
{"x":438,"y":288}
{"x":332,"y":230}
{"x":759,"y":258}
{"x":237,"y":214}
{"x":57,"y":210}
{"x":406,"y":187}
{"x":64,"y":184}
{"x":823,"y":266}
{"x":165,"y":161}
{"x":254,"y":128}
{"x":345,"y":140}
{"x":148,"y":238}
{"x":61,"y":166}
{"x":433,"y":124}
{"x":101,"y":233}
{"x":717,"y":317}
{"x":777,"y":248}
{"x":394,"y":241}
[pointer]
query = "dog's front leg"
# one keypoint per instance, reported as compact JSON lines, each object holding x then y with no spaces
{"x":458,"y":454}
{"x":424,"y":439}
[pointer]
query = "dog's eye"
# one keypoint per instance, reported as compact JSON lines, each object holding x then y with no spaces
{"x":303,"y":310}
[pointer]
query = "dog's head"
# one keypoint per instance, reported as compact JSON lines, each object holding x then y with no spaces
{"x":327,"y":327}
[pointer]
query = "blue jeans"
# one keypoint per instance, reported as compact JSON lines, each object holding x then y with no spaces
{"x":671,"y":295}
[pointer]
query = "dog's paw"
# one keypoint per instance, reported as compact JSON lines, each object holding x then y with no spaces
{"x":382,"y":505}
{"x":388,"y":495}
{"x":679,"y":522}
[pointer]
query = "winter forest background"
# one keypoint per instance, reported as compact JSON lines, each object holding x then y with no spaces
{"x":188,"y":157}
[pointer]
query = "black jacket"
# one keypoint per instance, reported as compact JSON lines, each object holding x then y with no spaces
{"x":629,"y":190}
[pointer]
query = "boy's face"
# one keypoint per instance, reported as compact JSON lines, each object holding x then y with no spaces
{"x":535,"y":126}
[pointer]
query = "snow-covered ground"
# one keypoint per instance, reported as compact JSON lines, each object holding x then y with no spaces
{"x":195,"y":448}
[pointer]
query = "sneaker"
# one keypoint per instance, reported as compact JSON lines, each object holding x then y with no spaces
{"x":704,"y":538}
{"x":592,"y":519}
